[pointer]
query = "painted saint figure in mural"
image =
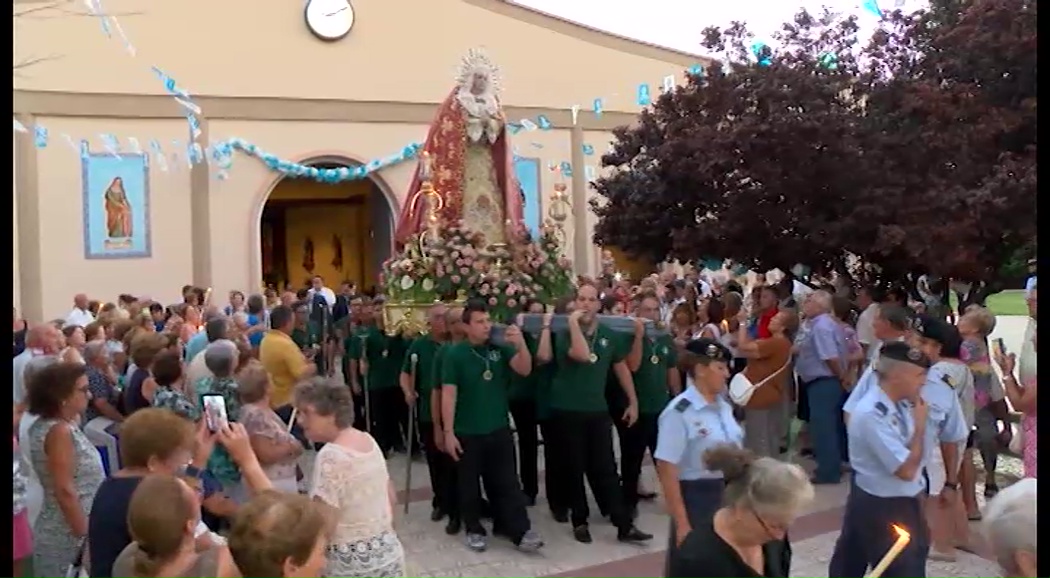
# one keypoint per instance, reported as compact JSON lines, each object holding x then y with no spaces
{"x":472,"y":160}
{"x":118,"y":210}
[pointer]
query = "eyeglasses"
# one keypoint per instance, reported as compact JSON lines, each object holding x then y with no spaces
{"x":774,"y":530}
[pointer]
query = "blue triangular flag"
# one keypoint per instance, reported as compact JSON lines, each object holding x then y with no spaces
{"x":643,"y":95}
{"x":588,"y":150}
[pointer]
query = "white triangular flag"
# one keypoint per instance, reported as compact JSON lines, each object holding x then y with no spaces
{"x":669,"y":83}
{"x":19,"y":126}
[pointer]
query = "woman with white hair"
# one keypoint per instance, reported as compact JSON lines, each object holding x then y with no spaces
{"x":1009,"y":526}
{"x":748,"y":535}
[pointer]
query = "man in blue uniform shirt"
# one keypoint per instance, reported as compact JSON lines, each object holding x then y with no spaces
{"x":887,"y":441}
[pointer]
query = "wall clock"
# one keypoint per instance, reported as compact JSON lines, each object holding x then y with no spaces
{"x":329,"y":20}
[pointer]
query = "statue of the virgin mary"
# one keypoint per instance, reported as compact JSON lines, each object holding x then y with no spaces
{"x":472,"y":164}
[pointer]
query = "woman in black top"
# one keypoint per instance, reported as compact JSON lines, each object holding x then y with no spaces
{"x":747,"y":537}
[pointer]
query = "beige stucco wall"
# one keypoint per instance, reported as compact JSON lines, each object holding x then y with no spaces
{"x":400,"y":51}
{"x":63,"y":267}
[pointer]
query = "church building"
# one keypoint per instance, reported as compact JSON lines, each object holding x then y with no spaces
{"x":233,"y":144}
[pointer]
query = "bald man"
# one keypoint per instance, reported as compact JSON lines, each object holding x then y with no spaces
{"x":41,"y":340}
{"x":80,"y":315}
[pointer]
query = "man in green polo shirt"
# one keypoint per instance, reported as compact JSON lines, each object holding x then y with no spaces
{"x":307,"y":335}
{"x":379,"y":358}
{"x":475,"y":377}
{"x":417,"y":385}
{"x":583,"y":359}
{"x":653,"y":364}
{"x":361,"y":316}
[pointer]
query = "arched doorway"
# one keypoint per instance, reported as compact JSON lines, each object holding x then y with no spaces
{"x":342,"y":232}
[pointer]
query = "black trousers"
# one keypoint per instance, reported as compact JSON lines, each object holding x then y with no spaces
{"x":389,"y":413}
{"x":587,"y":440}
{"x":554,"y":469}
{"x":867,"y":534}
{"x":442,"y":473}
{"x":524,"y":413}
{"x":490,"y":458}
{"x":633,"y":442}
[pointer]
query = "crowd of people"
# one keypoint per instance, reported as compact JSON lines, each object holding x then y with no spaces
{"x":210,"y":408}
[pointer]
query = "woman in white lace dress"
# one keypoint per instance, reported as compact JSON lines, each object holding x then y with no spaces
{"x":350,"y":477}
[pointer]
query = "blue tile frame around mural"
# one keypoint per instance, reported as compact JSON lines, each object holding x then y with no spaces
{"x":98,"y":173}
{"x":527,"y":171}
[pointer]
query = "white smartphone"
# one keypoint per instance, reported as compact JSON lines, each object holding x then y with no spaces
{"x":215,"y":412}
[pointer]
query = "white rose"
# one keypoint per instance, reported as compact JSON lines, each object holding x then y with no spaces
{"x":428,"y":284}
{"x":407,"y":283}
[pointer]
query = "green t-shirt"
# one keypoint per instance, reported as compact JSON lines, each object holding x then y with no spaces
{"x":650,"y":381}
{"x":524,"y":388}
{"x":425,"y":349}
{"x":481,"y":404}
{"x":308,"y":335}
{"x":581,"y":386}
{"x":384,"y":354}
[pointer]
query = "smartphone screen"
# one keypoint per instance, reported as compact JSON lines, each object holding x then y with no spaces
{"x":215,"y":412}
{"x":998,"y":347}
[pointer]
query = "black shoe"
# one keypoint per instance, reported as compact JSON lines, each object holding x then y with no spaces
{"x":530,"y":501}
{"x":560,"y":517}
{"x":632,"y":534}
{"x":583,"y":534}
{"x":453,"y":526}
{"x":437,"y":514}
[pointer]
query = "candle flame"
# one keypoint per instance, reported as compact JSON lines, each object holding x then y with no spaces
{"x":901,"y":532}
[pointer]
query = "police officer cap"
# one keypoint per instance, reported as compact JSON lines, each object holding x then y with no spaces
{"x":709,"y":349}
{"x":900,"y":351}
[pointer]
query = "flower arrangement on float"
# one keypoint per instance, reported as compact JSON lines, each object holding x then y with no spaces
{"x":457,"y":265}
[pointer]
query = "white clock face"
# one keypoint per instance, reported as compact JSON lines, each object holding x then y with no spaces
{"x":329,"y":19}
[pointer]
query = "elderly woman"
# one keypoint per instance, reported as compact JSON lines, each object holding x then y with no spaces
{"x":221,"y":358}
{"x":1009,"y":526}
{"x":351,"y":479}
{"x":276,"y":449}
{"x":171,"y":386}
{"x":68,"y":466}
{"x":102,"y":418}
{"x":748,"y":535}
{"x":144,"y":349}
{"x":278,"y":534}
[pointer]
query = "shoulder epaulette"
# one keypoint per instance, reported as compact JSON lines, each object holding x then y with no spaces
{"x":682,"y":405}
{"x":881,"y":407}
{"x":947,"y":379}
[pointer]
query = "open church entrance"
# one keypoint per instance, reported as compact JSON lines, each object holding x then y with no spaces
{"x":341,"y":232}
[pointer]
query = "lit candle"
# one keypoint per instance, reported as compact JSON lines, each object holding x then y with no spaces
{"x":903,"y":537}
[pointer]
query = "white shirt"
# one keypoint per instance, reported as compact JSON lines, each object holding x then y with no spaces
{"x":799,"y":290}
{"x":328,"y":294}
{"x":18,"y":377}
{"x":1028,"y":286}
{"x":866,"y":326}
{"x":79,"y":317}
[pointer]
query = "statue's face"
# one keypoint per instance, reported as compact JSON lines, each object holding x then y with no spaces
{"x":479,"y":84}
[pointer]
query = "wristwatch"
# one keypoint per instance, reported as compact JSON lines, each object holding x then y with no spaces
{"x":951,"y":485}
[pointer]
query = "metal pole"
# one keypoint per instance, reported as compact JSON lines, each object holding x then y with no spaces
{"x":411,"y":431}
{"x":364,"y":380}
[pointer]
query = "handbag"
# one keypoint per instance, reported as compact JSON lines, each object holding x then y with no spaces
{"x":77,"y":568}
{"x":741,"y":389}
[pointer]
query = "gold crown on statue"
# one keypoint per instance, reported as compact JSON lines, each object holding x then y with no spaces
{"x":476,"y":61}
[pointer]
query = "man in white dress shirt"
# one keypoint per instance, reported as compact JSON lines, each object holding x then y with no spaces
{"x":868,"y":302}
{"x":80,"y":315}
{"x":318,"y":288}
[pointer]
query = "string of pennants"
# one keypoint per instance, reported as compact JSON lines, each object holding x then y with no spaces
{"x":178,"y":154}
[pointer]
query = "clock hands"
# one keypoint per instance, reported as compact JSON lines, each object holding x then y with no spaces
{"x":343,"y":9}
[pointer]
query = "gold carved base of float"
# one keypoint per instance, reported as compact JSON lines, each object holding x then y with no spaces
{"x":405,"y":318}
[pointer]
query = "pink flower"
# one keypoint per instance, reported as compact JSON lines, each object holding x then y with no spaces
{"x":511,"y":303}
{"x":454,"y":278}
{"x":484,"y":289}
{"x":464,"y":270}
{"x":455,"y":254}
{"x":511,"y":289}
{"x":460,"y":262}
{"x":493,"y":301}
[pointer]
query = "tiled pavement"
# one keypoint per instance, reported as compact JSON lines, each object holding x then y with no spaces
{"x":432,"y":553}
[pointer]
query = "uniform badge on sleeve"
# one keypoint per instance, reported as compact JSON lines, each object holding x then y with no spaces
{"x":682,"y":405}
{"x":947,"y":379}
{"x":881,"y":408}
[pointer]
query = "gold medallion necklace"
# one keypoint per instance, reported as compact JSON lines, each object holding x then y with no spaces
{"x":487,"y":374}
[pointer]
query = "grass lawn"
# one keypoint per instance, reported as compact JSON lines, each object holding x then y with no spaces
{"x":1009,"y":302}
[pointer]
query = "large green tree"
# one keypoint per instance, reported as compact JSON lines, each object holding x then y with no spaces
{"x":916,"y":150}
